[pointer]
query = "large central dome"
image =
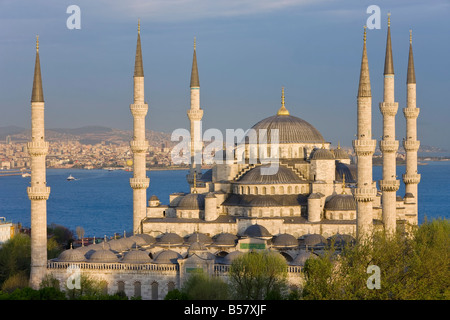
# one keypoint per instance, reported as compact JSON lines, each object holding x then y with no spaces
{"x":290,"y":129}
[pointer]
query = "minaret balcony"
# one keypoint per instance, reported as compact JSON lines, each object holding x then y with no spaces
{"x":139,"y":183}
{"x":364,"y":147}
{"x":364,"y":194}
{"x":389,"y":185}
{"x":389,"y":108}
{"x":387,"y":146}
{"x":195,"y":114}
{"x":413,"y":178}
{"x":411,"y":145}
{"x":38,"y":193}
{"x":139,"y":110}
{"x":139,"y":146}
{"x":411,"y":113}
{"x":37,"y":148}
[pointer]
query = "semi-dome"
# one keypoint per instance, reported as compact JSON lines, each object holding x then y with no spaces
{"x":282,"y":175}
{"x":136,"y":256}
{"x":71,"y":255}
{"x":341,"y":202}
{"x":167,"y":256}
{"x":225,"y":239}
{"x":104,"y":256}
{"x":291,"y":129}
{"x":170,"y":238}
{"x":257,"y":231}
{"x":284,"y":240}
{"x":118,"y":245}
{"x":139,"y":241}
{"x":192,"y":201}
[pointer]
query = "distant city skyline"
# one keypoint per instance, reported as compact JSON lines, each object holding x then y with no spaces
{"x":246,"y":51}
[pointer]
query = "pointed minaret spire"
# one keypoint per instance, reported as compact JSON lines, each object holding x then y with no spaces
{"x":364,"y":77}
{"x":195,"y":82}
{"x":283,"y":111}
{"x":389,"y":61}
{"x":37,"y":94}
{"x":138,"y":65}
{"x":411,"y":75}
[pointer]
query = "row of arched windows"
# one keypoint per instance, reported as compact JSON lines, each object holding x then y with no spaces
{"x":138,"y":288}
{"x":263,"y":190}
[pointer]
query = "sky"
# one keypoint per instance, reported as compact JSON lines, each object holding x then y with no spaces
{"x":247,"y":50}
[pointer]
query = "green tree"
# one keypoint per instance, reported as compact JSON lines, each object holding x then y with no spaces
{"x":201,"y":286}
{"x":413,"y":266}
{"x":259,"y":275}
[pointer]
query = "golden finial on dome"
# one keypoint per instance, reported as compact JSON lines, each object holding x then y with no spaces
{"x":389,"y":19}
{"x":283,"y":111}
{"x":410,"y":36}
{"x":139,"y":26}
{"x":195,"y":43}
{"x":365,"y":34}
{"x":37,"y":43}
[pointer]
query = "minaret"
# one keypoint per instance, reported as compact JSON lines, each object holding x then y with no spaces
{"x":139,"y":145}
{"x":38,"y":192}
{"x":364,"y":147}
{"x":195,"y":115}
{"x":388,"y":145}
{"x":411,"y":178}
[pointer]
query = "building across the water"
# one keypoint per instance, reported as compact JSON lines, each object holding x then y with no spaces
{"x":315,"y":195}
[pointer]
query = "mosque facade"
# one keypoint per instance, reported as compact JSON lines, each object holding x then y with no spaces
{"x":316,"y":195}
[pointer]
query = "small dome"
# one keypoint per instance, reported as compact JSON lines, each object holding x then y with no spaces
{"x":284,"y":240}
{"x":154,"y":198}
{"x":340,"y":154}
{"x":167,"y":256}
{"x":341,"y":202}
{"x":192,"y":201}
{"x":118,"y":245}
{"x":169,"y":238}
{"x":301,"y":258}
{"x":409,"y":195}
{"x":147,"y":238}
{"x":210,"y":195}
{"x":257,"y":231}
{"x":140,"y":241}
{"x":225,"y":239}
{"x":71,"y":255}
{"x":322,"y":154}
{"x":316,"y":195}
{"x":199,"y":237}
{"x":341,"y":240}
{"x":228,"y":259}
{"x":103,"y":255}
{"x":283,"y":175}
{"x":312,"y":239}
{"x":90,"y":249}
{"x":136,"y":256}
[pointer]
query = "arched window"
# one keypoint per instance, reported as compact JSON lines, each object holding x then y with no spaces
{"x":291,"y":212}
{"x":154,"y":290}
{"x":272,"y":190}
{"x":289,"y":190}
{"x":264,"y":190}
{"x":281,"y":190}
{"x":256,"y":190}
{"x":137,"y":289}
{"x":248,"y":190}
{"x":170,"y":286}
{"x":121,"y":286}
{"x":296,"y":189}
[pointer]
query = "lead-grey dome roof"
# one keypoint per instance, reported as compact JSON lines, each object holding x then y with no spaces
{"x":71,"y":255}
{"x":103,"y":255}
{"x":167,"y":256}
{"x":284,"y":240}
{"x":169,"y":238}
{"x":256,"y":231}
{"x":340,"y":154}
{"x":322,"y":154}
{"x":341,"y":202}
{"x":192,"y":201}
{"x":256,"y":176}
{"x":199,"y":237}
{"x":312,"y":239}
{"x":291,"y":129}
{"x":225,"y":239}
{"x":136,"y":256}
{"x":228,"y":259}
{"x":301,"y":258}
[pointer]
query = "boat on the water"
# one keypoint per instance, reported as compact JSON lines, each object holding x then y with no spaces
{"x":70,"y":178}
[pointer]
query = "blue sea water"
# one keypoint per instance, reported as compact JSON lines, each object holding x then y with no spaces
{"x":101,"y":202}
